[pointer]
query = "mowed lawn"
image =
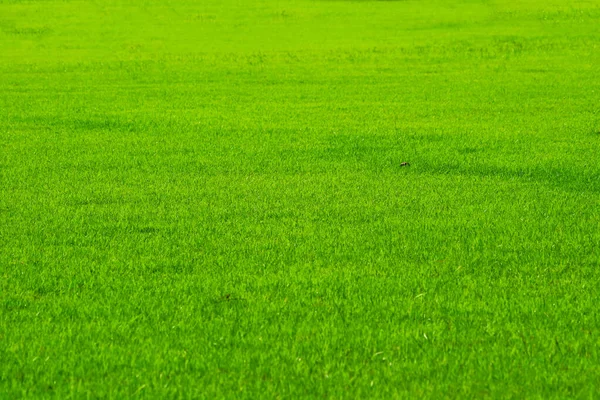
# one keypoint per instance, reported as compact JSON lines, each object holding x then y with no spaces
{"x":207,"y":199}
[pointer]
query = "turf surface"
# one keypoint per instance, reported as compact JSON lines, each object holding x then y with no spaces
{"x":207,"y":199}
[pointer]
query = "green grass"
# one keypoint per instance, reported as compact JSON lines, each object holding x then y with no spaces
{"x":206,"y":199}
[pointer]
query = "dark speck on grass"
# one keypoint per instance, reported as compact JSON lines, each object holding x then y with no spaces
{"x":227,"y":297}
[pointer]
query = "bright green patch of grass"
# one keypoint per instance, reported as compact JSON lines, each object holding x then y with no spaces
{"x":206,"y":199}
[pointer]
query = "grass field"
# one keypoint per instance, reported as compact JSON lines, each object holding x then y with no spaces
{"x":206,"y":199}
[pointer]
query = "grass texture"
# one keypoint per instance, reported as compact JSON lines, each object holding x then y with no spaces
{"x":206,"y":199}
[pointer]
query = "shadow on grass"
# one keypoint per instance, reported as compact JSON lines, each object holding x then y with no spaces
{"x":467,"y":158}
{"x":568,"y":179}
{"x":94,"y":123}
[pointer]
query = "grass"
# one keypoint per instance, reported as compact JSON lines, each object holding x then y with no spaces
{"x":206,"y":199}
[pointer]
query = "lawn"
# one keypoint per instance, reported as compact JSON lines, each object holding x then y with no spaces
{"x":209,"y":199}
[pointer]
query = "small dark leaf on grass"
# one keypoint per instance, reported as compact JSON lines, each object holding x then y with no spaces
{"x":226,"y":297}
